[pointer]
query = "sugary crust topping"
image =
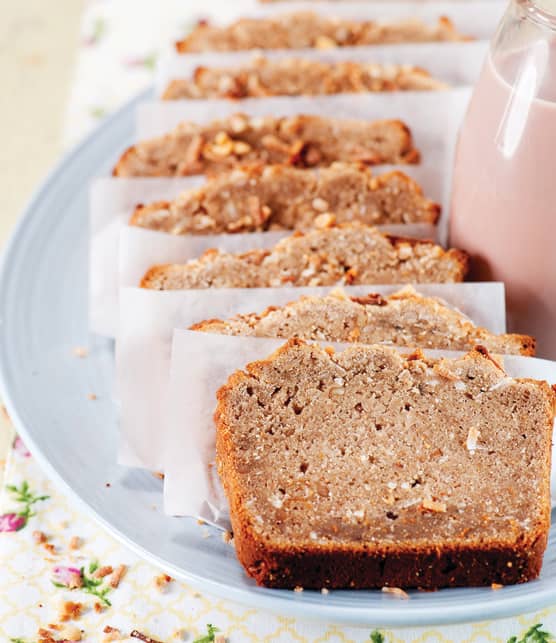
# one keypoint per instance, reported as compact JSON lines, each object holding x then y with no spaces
{"x":256,"y":198}
{"x":304,"y":29}
{"x":302,"y":141}
{"x":298,"y":76}
{"x":404,"y":318}
{"x":342,"y":254}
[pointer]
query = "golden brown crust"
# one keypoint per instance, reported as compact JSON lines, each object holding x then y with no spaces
{"x":152,"y":274}
{"x":448,"y":328}
{"x":370,"y":564}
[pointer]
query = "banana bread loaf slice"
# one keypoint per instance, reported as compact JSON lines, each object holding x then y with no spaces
{"x":302,"y":29}
{"x":366,"y":468}
{"x":302,"y":140}
{"x":348,"y":253}
{"x":281,"y":197}
{"x":405,"y":318}
{"x":299,"y":77}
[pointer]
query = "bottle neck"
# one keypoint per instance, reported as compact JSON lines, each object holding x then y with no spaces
{"x":540,"y":12}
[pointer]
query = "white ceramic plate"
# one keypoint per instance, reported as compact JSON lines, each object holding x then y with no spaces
{"x":43,"y":316}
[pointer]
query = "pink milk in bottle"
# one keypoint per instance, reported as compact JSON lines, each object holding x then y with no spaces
{"x":504,"y":186}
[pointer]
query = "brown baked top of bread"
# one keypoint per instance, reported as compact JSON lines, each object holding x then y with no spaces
{"x":304,"y":29}
{"x":405,"y":318}
{"x":302,"y":140}
{"x":299,"y":77}
{"x":278,"y":197}
{"x":367,"y":468}
{"x":339,"y":254}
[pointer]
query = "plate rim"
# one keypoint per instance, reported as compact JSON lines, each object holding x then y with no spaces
{"x":394,"y":615}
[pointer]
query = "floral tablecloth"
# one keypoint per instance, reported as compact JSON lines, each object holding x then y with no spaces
{"x":62,"y":578}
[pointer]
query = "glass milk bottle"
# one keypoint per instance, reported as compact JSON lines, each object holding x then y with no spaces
{"x":504,"y":191}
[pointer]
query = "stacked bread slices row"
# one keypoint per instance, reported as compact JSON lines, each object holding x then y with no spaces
{"x":363,"y":466}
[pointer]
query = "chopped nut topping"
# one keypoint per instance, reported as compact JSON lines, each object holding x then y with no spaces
{"x":238,"y":123}
{"x":91,"y":396}
{"x":158,"y":474}
{"x":496,"y":586}
{"x":395,"y":591}
{"x":326,"y":220}
{"x":324,"y":42}
{"x":39,"y":537}
{"x":432,"y":505}
{"x":405,"y":251}
{"x":320,"y":204}
{"x":241,"y":149}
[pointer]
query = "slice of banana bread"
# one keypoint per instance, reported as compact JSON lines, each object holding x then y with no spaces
{"x":405,"y":318}
{"x":304,"y":29}
{"x":278,"y":197}
{"x":348,"y":253}
{"x":370,"y":469}
{"x":302,"y":140}
{"x":299,"y":77}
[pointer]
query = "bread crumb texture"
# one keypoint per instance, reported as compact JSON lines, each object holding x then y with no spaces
{"x":352,"y":469}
